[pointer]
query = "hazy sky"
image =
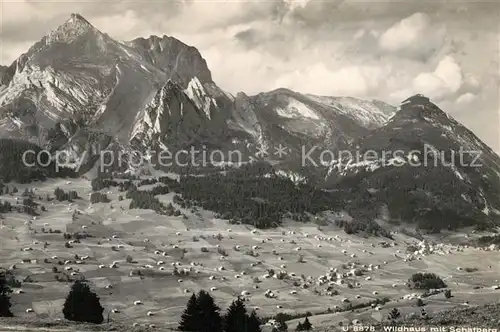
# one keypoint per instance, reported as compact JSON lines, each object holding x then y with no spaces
{"x":448,"y":50}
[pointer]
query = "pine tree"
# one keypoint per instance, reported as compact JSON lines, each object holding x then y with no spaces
{"x":26,"y":193}
{"x":82,"y":305}
{"x":236,"y":317}
{"x":209,"y":319}
{"x":394,"y":314}
{"x":307,"y":326}
{"x":4,"y":298}
{"x":281,"y":323}
{"x":299,"y":327}
{"x":190,"y":316}
{"x":253,"y":323}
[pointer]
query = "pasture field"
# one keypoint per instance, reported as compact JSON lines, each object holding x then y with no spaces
{"x":227,"y":260}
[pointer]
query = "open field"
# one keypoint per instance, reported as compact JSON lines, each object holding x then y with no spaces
{"x":157,"y":243}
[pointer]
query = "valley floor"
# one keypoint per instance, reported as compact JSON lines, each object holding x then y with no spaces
{"x":156,"y":243}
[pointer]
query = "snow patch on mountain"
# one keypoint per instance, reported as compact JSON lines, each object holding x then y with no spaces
{"x":296,"y":109}
{"x":486,"y":210}
{"x":367,"y":113}
{"x":350,"y":166}
{"x":197,"y":93}
{"x":17,"y":122}
{"x":293,"y":176}
{"x":296,"y":178}
{"x":390,"y":118}
{"x":131,"y":55}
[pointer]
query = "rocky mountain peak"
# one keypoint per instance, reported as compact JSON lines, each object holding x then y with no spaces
{"x":180,"y":61}
{"x":75,"y":27}
{"x":77,"y":19}
{"x":419,"y":107}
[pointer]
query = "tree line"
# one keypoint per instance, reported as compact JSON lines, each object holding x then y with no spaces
{"x":253,"y":194}
{"x":19,"y":166}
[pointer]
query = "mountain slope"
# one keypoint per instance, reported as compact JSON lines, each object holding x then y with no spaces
{"x":423,"y":166}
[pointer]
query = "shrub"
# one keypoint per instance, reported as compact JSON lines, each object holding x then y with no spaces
{"x":281,"y":322}
{"x":99,"y":198}
{"x":394,"y":314}
{"x":305,"y":326}
{"x":426,"y":281}
{"x":129,"y":259}
{"x":222,"y":252}
{"x":411,"y":249}
{"x":251,"y":253}
{"x":61,"y":195}
{"x":447,"y":293}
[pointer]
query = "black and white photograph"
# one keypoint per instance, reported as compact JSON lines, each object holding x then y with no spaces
{"x":250,"y":165}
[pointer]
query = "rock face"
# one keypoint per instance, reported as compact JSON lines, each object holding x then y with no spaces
{"x":181,"y":62}
{"x":175,"y":116}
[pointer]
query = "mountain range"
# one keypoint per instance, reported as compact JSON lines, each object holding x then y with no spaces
{"x":78,"y":86}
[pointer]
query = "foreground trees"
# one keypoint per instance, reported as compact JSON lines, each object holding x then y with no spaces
{"x":237,"y":319}
{"x":83,"y":305}
{"x":210,"y":318}
{"x":5,"y":298}
{"x":304,"y":326}
{"x":254,"y":323}
{"x":203,"y":315}
{"x":189,"y":319}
